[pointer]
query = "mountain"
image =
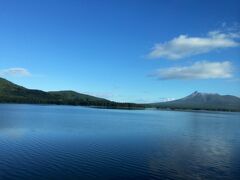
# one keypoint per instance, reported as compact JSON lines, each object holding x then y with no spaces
{"x":72,"y":95}
{"x":12,"y":93}
{"x":75,"y":98}
{"x":203,"y":101}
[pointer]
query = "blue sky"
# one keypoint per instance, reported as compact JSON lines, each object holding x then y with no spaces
{"x":128,"y":50}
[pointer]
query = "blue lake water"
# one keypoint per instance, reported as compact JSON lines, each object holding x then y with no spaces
{"x":64,"y":142}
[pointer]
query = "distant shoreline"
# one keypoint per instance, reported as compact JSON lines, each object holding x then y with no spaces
{"x":11,"y":93}
{"x":123,"y":108}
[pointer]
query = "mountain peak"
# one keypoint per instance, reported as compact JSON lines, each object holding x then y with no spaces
{"x":213,"y":101}
{"x":196,"y":93}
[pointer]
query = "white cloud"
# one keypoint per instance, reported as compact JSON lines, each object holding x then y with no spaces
{"x":185,"y":46}
{"x":166,"y":99}
{"x":199,"y":70}
{"x":15,"y":72}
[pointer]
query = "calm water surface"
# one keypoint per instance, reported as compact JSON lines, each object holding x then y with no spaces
{"x":64,"y":142}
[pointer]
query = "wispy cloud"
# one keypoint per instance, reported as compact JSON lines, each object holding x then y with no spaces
{"x":185,"y":46}
{"x":152,"y":100}
{"x":166,"y":99}
{"x":199,"y":70}
{"x":15,"y":72}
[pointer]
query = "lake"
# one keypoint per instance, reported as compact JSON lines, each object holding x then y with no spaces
{"x":65,"y":142}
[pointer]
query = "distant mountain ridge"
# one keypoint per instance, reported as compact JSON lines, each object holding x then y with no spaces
{"x":12,"y":93}
{"x":204,"y":101}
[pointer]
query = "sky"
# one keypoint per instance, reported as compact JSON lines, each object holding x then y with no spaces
{"x":127,"y":51}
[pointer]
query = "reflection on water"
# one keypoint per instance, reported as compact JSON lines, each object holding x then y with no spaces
{"x":62,"y":142}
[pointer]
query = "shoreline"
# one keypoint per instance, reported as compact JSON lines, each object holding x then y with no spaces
{"x":125,"y":108}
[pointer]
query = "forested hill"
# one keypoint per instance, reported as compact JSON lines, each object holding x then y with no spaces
{"x":12,"y":93}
